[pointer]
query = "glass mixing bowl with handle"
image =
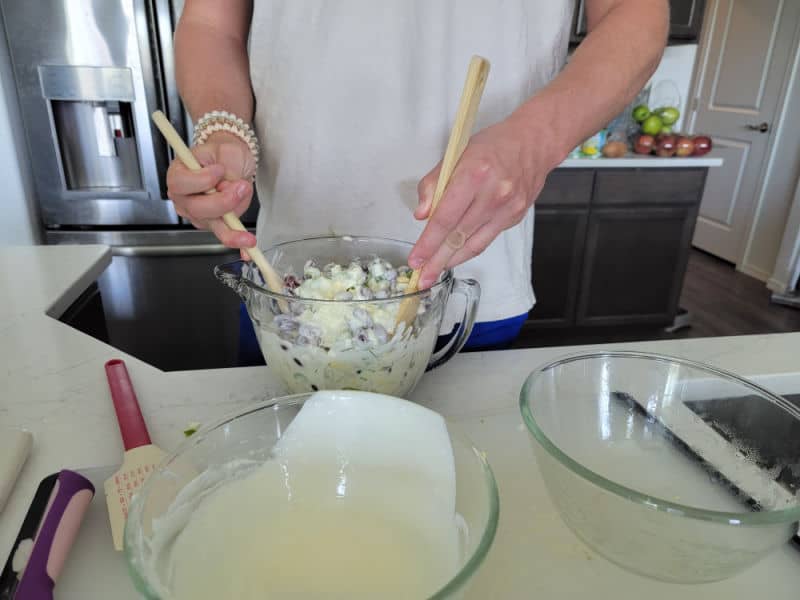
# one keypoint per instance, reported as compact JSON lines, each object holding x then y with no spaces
{"x":316,"y":343}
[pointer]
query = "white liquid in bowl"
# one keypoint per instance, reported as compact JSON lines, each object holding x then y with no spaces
{"x":250,"y":540}
{"x":357,"y":502}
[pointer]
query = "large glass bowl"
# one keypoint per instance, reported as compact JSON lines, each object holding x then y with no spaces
{"x":662,"y":465}
{"x":250,"y":436}
{"x":309,"y":343}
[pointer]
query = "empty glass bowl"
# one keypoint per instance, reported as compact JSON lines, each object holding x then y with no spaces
{"x":669,"y":468}
{"x":235,"y":446}
{"x":313,"y":344}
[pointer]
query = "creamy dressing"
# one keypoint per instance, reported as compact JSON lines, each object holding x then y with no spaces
{"x":392,"y":368}
{"x":348,"y":342}
{"x":252,"y":540}
{"x":345,"y":508}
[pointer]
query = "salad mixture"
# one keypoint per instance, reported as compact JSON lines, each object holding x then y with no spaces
{"x":348,"y":341}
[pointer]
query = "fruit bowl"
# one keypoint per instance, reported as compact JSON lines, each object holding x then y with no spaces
{"x":638,"y":475}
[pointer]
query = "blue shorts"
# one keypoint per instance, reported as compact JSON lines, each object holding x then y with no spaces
{"x":495,"y":334}
{"x":249,"y":350}
{"x":488,"y":335}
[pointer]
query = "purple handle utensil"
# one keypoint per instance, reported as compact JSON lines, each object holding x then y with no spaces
{"x":69,"y":500}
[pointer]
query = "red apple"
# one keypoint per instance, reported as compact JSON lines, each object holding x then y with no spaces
{"x":684,"y":146}
{"x":666,"y":145}
{"x":702,"y":145}
{"x":644,"y":144}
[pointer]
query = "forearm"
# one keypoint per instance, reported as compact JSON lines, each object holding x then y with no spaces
{"x":212,"y":70}
{"x":605,"y":73}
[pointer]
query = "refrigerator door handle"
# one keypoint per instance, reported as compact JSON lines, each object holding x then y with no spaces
{"x":165,"y":19}
{"x":154,"y":27}
{"x":172,"y":250}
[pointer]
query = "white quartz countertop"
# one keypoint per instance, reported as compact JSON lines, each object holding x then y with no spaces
{"x":53,"y":384}
{"x":640,"y":161}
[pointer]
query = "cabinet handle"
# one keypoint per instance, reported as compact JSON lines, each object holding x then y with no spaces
{"x":762,"y":127}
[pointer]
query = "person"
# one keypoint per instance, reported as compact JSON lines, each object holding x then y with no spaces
{"x":352,"y":101}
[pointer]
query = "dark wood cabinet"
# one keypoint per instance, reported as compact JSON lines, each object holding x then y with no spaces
{"x":633,"y":266}
{"x":686,"y":21}
{"x":558,"y":249}
{"x":562,"y":212}
{"x":611,"y":245}
{"x":648,"y":186}
{"x":567,"y":187}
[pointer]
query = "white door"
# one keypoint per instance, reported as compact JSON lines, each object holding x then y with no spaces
{"x":741,"y":73}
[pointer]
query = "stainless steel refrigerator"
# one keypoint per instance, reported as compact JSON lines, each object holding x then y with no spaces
{"x":89,"y":73}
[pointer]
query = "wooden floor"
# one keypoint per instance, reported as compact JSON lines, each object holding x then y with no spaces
{"x":721,"y":301}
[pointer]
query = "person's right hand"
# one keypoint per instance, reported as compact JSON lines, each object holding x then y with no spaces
{"x":228,"y":168}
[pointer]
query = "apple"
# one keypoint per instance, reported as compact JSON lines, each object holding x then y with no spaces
{"x":684,"y":146}
{"x":666,"y":145}
{"x":640,"y":113}
{"x":644,"y":144}
{"x":652,"y":125}
{"x":702,"y":145}
{"x":669,"y":114}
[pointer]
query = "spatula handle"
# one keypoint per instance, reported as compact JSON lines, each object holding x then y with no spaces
{"x":129,"y":415}
{"x":69,"y":500}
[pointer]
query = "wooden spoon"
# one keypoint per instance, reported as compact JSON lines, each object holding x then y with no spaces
{"x":459,"y":137}
{"x":271,"y":277}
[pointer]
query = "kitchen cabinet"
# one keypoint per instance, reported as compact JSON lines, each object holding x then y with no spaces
{"x":686,"y":21}
{"x":648,"y":186}
{"x":611,"y":245}
{"x":562,"y":212}
{"x":634,"y":262}
{"x":558,"y":248}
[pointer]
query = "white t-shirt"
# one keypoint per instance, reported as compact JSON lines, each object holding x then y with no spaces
{"x":354,"y":104}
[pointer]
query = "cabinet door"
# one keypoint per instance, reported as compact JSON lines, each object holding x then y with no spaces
{"x":558,"y":245}
{"x":686,"y":19}
{"x":567,"y":187}
{"x":634,"y":264}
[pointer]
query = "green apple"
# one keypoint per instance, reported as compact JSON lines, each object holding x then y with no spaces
{"x":665,"y":130}
{"x":640,"y":113}
{"x":669,"y":115}
{"x":652,"y":125}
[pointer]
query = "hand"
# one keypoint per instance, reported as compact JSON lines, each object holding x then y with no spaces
{"x":496,"y":181}
{"x":228,"y":167}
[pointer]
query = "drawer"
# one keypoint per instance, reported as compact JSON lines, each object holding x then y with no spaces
{"x":567,"y":186}
{"x":649,"y":186}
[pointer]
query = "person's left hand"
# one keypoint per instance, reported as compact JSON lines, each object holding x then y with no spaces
{"x":497,"y":179}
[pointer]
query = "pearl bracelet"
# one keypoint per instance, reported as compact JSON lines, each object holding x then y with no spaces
{"x":220,"y":120}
